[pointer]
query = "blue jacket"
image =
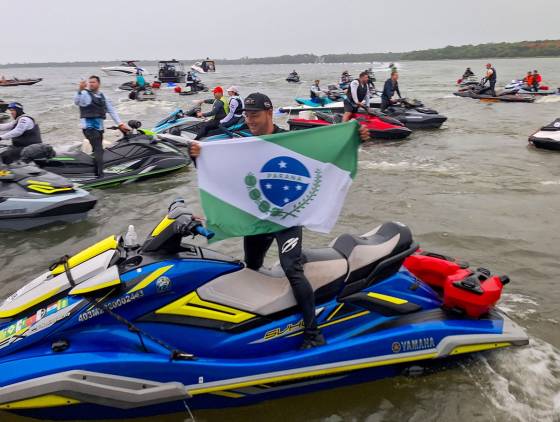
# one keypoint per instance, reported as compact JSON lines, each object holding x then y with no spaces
{"x":389,"y":89}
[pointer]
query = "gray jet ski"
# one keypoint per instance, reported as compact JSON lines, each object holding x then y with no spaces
{"x":31,"y":197}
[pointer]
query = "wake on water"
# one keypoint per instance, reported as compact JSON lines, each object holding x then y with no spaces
{"x":548,"y":99}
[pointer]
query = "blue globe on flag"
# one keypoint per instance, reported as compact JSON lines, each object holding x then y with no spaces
{"x":284,"y":180}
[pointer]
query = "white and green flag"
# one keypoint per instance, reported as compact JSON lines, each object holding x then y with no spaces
{"x":268,"y":183}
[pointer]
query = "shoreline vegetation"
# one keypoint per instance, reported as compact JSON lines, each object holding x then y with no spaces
{"x":540,"y":48}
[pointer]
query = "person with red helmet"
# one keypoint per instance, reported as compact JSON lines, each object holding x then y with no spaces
{"x":219,"y":110}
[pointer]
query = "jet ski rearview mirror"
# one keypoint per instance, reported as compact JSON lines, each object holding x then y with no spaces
{"x":134,"y":124}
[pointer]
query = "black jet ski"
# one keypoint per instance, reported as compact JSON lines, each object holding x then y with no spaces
{"x":193,"y":87}
{"x":128,"y":86}
{"x":414,"y":115}
{"x":548,"y":137}
{"x":293,"y":77}
{"x":481,"y":92}
{"x":31,"y":197}
{"x":143,"y":94}
{"x":135,"y":156}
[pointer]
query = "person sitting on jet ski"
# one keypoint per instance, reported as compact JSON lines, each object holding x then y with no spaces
{"x":220,"y":110}
{"x":94,"y":107}
{"x":235,"y":113}
{"x":22,"y":130}
{"x":468,"y":73}
{"x":294,"y":73}
{"x":259,"y":120}
{"x":537,"y":79}
{"x":391,"y":86}
{"x":140,"y":80}
{"x":316,"y":93}
{"x":345,"y":77}
{"x":371,"y":80}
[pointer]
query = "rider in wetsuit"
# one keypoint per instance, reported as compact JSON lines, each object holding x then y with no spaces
{"x":389,"y":89}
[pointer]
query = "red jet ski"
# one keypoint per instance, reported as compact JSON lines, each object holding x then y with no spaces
{"x":380,"y":127}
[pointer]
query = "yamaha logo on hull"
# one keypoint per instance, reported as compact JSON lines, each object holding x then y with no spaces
{"x":413,"y":345}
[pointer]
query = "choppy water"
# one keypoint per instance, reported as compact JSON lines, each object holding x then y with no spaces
{"x":473,"y":189}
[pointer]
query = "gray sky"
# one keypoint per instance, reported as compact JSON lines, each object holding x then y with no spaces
{"x":75,"y":30}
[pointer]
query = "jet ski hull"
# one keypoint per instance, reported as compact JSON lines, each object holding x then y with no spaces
{"x":513,"y":98}
{"x":215,"y":383}
{"x":378,"y":128}
{"x":113,"y":332}
{"x":123,"y":163}
{"x":18,"y":82}
{"x":30,"y":197}
{"x":548,"y":137}
{"x":415,"y":119}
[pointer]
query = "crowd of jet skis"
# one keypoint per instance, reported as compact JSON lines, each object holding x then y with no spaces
{"x":44,"y":187}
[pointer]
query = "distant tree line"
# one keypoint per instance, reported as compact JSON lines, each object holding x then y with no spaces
{"x":541,"y":48}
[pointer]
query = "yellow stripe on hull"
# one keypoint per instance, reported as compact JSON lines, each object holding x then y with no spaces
{"x":192,"y":305}
{"x":50,"y":400}
{"x":150,"y":278}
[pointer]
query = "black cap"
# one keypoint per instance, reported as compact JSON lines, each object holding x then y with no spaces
{"x":257,"y":102}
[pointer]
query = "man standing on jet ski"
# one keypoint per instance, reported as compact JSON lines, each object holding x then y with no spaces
{"x":94,"y":107}
{"x":391,"y":86}
{"x":235,"y":113}
{"x":491,"y":77}
{"x":22,"y":130}
{"x":357,"y":96}
{"x":258,"y":117}
{"x":220,"y":110}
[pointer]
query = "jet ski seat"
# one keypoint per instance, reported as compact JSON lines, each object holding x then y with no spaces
{"x":329,"y":117}
{"x":342,"y":267}
{"x":268,"y":291}
{"x":374,"y":255}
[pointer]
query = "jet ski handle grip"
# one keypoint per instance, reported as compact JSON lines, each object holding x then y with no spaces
{"x":203,"y":231}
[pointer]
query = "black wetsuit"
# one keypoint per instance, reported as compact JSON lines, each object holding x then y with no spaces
{"x":218,"y":112}
{"x":389,"y":90}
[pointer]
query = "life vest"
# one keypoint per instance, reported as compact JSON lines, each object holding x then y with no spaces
{"x":226,"y":104}
{"x":529,"y":80}
{"x":29,"y":137}
{"x":361,"y":91}
{"x":239,"y":109}
{"x":97,"y":109}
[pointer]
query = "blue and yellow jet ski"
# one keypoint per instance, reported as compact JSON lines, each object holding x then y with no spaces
{"x":121,"y":331}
